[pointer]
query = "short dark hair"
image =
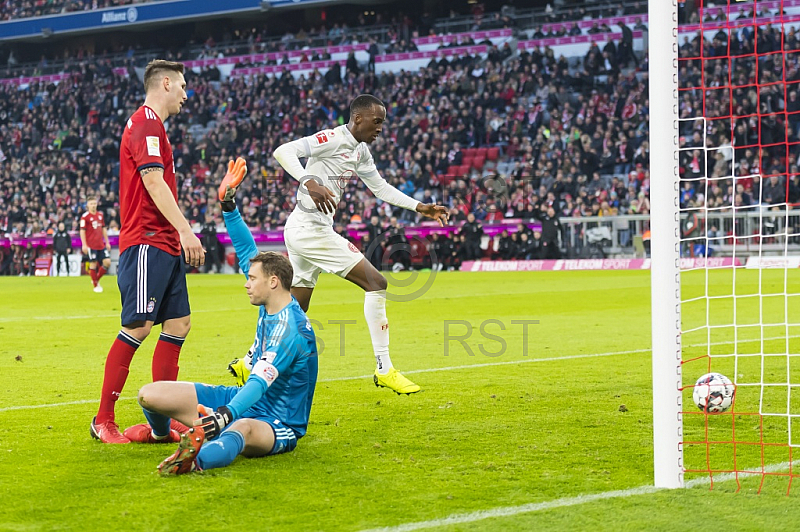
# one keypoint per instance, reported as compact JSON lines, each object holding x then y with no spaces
{"x":157,"y":66}
{"x":273,"y":263}
{"x":364,"y":102}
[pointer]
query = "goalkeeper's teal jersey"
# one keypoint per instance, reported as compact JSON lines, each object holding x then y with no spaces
{"x":284,"y":351}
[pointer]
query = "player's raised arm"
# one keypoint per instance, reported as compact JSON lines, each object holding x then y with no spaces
{"x":242,"y":239}
{"x":288,"y":155}
{"x":153,"y":179}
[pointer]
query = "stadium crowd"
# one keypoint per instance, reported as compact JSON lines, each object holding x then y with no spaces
{"x":571,"y":136}
{"x":17,"y":9}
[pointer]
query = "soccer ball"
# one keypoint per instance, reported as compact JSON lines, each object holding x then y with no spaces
{"x":713,"y":393}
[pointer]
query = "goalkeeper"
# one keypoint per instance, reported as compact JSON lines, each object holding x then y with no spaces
{"x":270,"y":412}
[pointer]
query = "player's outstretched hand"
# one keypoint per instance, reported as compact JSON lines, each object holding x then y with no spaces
{"x":213,"y":422}
{"x":192,"y":248}
{"x":322,"y":196}
{"x":435,"y":212}
{"x":236,"y":172}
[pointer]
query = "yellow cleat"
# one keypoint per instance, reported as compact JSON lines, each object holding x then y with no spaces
{"x":395,"y":381}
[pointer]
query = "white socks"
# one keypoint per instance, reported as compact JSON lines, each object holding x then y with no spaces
{"x":375,"y":313}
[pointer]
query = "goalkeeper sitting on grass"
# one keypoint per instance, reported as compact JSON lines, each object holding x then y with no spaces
{"x":270,"y":412}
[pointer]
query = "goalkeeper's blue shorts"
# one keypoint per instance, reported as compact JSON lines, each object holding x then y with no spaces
{"x":217,"y":396}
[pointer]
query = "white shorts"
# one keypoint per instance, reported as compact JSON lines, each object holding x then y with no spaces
{"x":313,"y":249}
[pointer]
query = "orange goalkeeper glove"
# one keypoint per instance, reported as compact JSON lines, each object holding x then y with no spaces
{"x":234,"y":178}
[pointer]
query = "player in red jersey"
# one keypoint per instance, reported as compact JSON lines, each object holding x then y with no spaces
{"x":151,"y":276}
{"x":94,"y":242}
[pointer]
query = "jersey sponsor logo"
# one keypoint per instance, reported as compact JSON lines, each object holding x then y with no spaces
{"x":152,"y":146}
{"x":344,"y":179}
{"x":322,"y":138}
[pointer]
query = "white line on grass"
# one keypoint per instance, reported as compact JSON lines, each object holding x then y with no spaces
{"x":428,"y":370}
{"x":359,"y":377}
{"x":505,"y":511}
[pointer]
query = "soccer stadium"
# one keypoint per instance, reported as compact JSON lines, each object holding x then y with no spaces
{"x":578,"y":218}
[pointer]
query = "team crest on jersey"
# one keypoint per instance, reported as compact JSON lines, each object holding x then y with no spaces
{"x":268,"y":372}
{"x":151,"y":305}
{"x":352,"y":247}
{"x":152,"y":146}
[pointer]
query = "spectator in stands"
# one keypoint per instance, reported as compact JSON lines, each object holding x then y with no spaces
{"x":525,"y":249}
{"x":774,"y":191}
{"x":459,"y":252}
{"x":472,"y":231}
{"x":28,"y":265}
{"x":235,"y":116}
{"x":399,"y":249}
{"x":506,"y":247}
{"x":214,"y":250}
{"x":62,"y":246}
{"x":551,"y":232}
{"x":373,"y":52}
{"x":436,"y":249}
{"x":372,"y":244}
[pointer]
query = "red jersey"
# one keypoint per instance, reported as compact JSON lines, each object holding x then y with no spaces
{"x":93,"y":225}
{"x":144,"y":145}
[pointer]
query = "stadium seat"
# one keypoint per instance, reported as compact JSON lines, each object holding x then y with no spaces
{"x":467,"y":161}
{"x":453,"y":171}
{"x":463,"y":170}
{"x":493,"y":153}
{"x":447,"y":179}
{"x":469,"y":152}
{"x":478,"y":162}
{"x":481,"y":152}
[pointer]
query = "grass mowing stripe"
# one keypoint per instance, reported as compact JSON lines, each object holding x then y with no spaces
{"x":98,"y":316}
{"x":505,"y":511}
{"x":410,"y":372}
{"x":487,"y":364}
{"x":339,"y":379}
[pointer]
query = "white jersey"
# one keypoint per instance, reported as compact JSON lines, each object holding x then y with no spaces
{"x":336,"y":158}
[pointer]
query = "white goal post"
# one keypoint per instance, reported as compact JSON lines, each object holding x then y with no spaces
{"x":665,"y":243}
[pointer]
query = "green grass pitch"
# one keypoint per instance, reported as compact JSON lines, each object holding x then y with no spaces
{"x":496,"y":430}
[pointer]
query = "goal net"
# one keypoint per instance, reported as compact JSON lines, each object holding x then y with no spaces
{"x":725,"y":126}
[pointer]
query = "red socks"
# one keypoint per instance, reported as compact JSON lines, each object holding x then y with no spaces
{"x":118,"y":363}
{"x":165,"y":357}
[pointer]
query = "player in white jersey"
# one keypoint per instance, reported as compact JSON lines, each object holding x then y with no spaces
{"x":335,"y":156}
